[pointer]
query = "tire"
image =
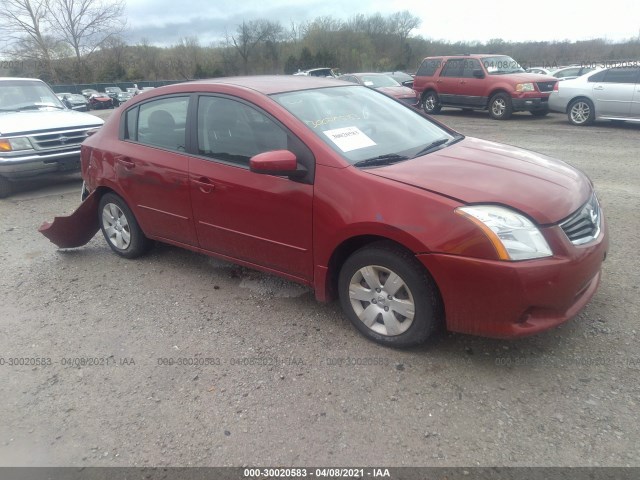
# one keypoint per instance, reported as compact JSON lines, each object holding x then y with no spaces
{"x":540,"y":113}
{"x":500,"y":106}
{"x":399,"y":315}
{"x":120,"y":228}
{"x":581,"y":112}
{"x":431,"y":103}
{"x":5,"y":187}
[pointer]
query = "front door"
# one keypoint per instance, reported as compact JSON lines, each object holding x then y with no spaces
{"x":262,"y":219}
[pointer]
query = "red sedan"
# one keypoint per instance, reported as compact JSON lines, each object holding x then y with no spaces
{"x":332,"y":185}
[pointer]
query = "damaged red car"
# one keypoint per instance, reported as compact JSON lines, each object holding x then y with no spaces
{"x":336,"y":186}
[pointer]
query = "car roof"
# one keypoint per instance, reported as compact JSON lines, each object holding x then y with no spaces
{"x":265,"y":84}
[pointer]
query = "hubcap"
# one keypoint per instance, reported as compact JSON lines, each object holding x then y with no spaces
{"x":116,"y":226}
{"x":430,"y":102}
{"x":580,"y":112}
{"x":499,"y":107}
{"x":382,"y":300}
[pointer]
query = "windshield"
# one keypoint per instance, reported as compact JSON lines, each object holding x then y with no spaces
{"x":501,"y":65}
{"x":362,"y":124}
{"x":376,"y":81}
{"x":27,"y":95}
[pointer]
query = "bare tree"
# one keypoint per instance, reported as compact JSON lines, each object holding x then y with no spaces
{"x":249,"y":35}
{"x":85,"y":25}
{"x":24,"y":24}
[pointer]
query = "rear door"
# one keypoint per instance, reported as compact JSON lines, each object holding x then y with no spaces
{"x":261,"y":219}
{"x":448,"y":83}
{"x":152,"y":168}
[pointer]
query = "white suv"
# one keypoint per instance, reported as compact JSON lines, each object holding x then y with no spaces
{"x":39,"y":135}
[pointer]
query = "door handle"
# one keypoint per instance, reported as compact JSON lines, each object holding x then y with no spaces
{"x":599,"y":87}
{"x":204,"y":184}
{"x":462,"y":82}
{"x":126,"y":162}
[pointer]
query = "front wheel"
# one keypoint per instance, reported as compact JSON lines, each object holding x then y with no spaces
{"x":431,"y":103}
{"x":389,"y":296}
{"x":120,"y":228}
{"x":581,"y":112}
{"x":500,"y":106}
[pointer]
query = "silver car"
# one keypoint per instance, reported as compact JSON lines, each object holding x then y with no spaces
{"x":604,"y":94}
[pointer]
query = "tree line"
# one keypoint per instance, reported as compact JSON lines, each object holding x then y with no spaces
{"x":82,"y":41}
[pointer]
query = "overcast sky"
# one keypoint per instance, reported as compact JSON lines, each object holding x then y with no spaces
{"x":164,"y":22}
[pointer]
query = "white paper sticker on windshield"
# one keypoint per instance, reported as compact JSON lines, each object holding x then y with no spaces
{"x":349,"y":138}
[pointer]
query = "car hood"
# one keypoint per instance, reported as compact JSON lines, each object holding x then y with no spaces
{"x":398,"y":91}
{"x":12,"y":123}
{"x":478,"y":171}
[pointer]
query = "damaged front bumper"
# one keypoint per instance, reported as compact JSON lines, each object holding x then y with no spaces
{"x":76,"y":229}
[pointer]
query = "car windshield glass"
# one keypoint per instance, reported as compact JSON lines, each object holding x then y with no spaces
{"x":27,"y":95}
{"x":500,"y":65}
{"x":361,"y":124}
{"x":376,"y":81}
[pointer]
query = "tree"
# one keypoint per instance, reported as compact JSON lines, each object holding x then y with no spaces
{"x":25,"y":25}
{"x":249,"y":35}
{"x":85,"y":25}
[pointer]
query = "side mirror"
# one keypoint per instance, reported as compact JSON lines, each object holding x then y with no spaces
{"x":408,"y":83}
{"x":277,"y":162}
{"x":477,"y":73}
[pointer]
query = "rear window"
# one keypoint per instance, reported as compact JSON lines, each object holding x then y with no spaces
{"x":429,"y":67}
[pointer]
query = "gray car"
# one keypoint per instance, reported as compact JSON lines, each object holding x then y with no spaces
{"x":38,"y":134}
{"x":604,"y":94}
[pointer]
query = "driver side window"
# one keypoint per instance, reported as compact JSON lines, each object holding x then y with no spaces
{"x":232,"y":131}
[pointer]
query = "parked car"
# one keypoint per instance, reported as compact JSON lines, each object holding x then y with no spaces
{"x":569,"y":73}
{"x":113,"y":92}
{"x":384,"y":84}
{"x":123,"y":97}
{"x":604,"y":94}
{"x":39,"y":136}
{"x":98,"y":101}
{"x":317,"y":72}
{"x":133,"y":91}
{"x":539,"y":70}
{"x":402,"y":78}
{"x":496,"y":83}
{"x":335,"y":186}
{"x":73,"y":101}
{"x":88,"y":92}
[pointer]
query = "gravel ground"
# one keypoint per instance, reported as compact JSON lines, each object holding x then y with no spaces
{"x":282,"y":380}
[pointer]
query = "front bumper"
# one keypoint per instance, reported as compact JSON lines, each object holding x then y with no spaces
{"x":516,"y":299}
{"x":529,"y":104}
{"x":32,"y":165}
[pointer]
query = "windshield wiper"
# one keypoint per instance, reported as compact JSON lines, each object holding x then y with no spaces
{"x":386,"y":159}
{"x":432,"y":146}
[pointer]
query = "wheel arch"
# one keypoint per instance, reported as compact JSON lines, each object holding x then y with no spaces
{"x":494,"y":92}
{"x":576,"y":98}
{"x":350,"y":245}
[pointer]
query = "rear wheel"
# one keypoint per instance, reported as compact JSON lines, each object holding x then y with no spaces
{"x":120,"y":228}
{"x":500,"y":106}
{"x":581,"y":112}
{"x":389,"y":296}
{"x":431,"y":102}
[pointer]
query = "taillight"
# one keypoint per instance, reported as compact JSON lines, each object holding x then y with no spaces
{"x":556,"y":87}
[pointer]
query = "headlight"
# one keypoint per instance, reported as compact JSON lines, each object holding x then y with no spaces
{"x":525,"y":87}
{"x":513,"y":235}
{"x":12,"y":144}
